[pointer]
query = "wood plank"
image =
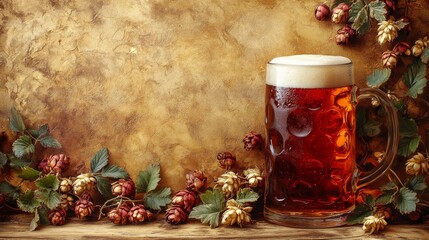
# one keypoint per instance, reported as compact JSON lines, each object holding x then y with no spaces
{"x":16,"y":227}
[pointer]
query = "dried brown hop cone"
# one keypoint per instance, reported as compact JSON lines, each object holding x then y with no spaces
{"x":196,"y":181}
{"x":83,"y":208}
{"x":176,"y":215}
{"x":252,"y":141}
{"x":57,"y":216}
{"x":139,"y":214}
{"x":185,"y":199}
{"x":119,"y":215}
{"x":226,"y":159}
{"x":322,"y":12}
{"x":58,"y":163}
{"x":123,"y":187}
{"x":345,"y":35}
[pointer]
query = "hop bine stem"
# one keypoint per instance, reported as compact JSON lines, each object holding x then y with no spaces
{"x":118,"y":204}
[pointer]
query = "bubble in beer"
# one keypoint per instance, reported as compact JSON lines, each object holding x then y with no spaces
{"x":332,"y":120}
{"x":342,"y":144}
{"x":276,"y":141}
{"x":283,"y":99}
{"x":300,"y":122}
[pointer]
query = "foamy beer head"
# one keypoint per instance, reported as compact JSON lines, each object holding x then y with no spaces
{"x":310,"y":71}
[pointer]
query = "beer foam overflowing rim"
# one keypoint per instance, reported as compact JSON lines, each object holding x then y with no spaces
{"x":310,"y":71}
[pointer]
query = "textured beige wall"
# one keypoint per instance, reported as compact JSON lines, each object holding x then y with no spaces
{"x":157,"y":80}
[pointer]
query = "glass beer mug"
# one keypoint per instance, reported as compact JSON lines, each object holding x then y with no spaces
{"x":310,"y":128}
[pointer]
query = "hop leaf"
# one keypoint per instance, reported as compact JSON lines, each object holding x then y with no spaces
{"x":415,"y":78}
{"x":409,"y":137}
{"x":49,"y":141}
{"x":16,"y":123}
{"x":157,"y":198}
{"x":35,"y":221}
{"x":30,"y":174}
{"x":148,"y":180}
{"x":7,"y":188}
{"x":100,"y":160}
{"x":378,"y":77}
{"x":40,"y":132}
{"x":359,"y":213}
{"x":103,"y":186}
{"x":417,"y":183}
{"x":246,"y":195}
{"x":3,"y":159}
{"x":377,"y":10}
{"x":210,"y":210}
{"x":23,"y":146}
{"x":49,"y":182}
{"x":371,"y":128}
{"x":425,"y":56}
{"x":27,"y":202}
{"x":114,"y":171}
{"x":406,"y":200}
{"x":49,"y":197}
{"x":386,"y":198}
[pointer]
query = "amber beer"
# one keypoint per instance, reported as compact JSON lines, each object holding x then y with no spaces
{"x":310,"y":129}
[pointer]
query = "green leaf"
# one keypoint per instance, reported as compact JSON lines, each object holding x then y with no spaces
{"x":417,"y":183}
{"x":23,"y":146}
{"x":425,"y":56}
{"x":378,"y":77}
{"x":370,"y":201}
{"x":409,"y":137}
{"x":29,"y":173}
{"x":157,"y":198}
{"x":43,"y":214}
{"x":114,"y":171}
{"x":16,"y":123}
{"x":103,"y":186}
{"x":148,"y":180}
{"x":35,"y":221}
{"x":377,"y":10}
{"x":406,"y":200}
{"x":401,"y":24}
{"x":359,"y":213}
{"x":49,"y":141}
{"x":49,"y":197}
{"x":27,"y":202}
{"x":40,"y":132}
{"x":415,"y":78}
{"x":18,"y":163}
{"x":389,"y":186}
{"x":209,"y":212}
{"x":386,"y":198}
{"x":100,"y":160}
{"x":371,"y":128}
{"x":7,"y":188}
{"x":49,"y":182}
{"x":246,"y":195}
{"x":337,"y":2}
{"x":3,"y":159}
{"x":355,"y":9}
{"x":361,"y":22}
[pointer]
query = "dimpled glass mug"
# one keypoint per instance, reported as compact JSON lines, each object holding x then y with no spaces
{"x":310,"y":126}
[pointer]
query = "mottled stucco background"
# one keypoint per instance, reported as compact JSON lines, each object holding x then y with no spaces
{"x":164,"y":81}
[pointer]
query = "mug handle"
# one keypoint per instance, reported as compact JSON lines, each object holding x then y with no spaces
{"x":392,"y":126}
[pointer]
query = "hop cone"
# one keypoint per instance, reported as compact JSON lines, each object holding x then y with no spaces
{"x":119,"y":215}
{"x":58,"y":163}
{"x":230,"y":183}
{"x":83,"y":208}
{"x":236,"y":214}
{"x":185,"y":199}
{"x":66,"y":185}
{"x":226,"y":160}
{"x":57,"y":216}
{"x":252,"y":141}
{"x":84,"y":182}
{"x":123,"y":187}
{"x":196,"y":181}
{"x":139,"y":214}
{"x":176,"y":215}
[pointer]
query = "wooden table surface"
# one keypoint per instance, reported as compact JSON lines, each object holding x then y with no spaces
{"x":17,"y":227}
